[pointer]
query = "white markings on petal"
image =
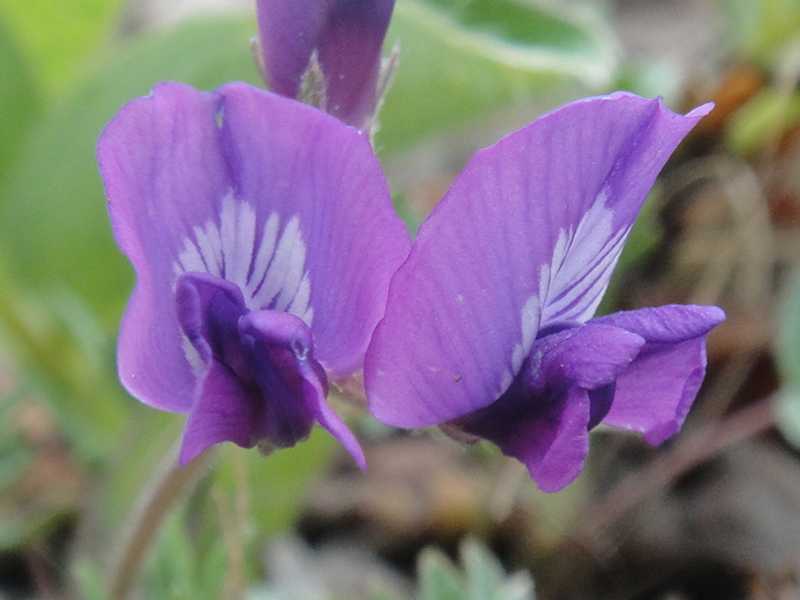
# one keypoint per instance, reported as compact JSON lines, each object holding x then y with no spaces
{"x":265,"y":250}
{"x":573,"y":282}
{"x":244,"y":245}
{"x":583,"y":259}
{"x":210,"y":247}
{"x":530,"y":326}
{"x":190,"y":260}
{"x":267,"y":265}
{"x":278,"y":271}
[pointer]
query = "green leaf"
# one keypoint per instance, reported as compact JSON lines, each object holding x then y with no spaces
{"x":531,"y":35}
{"x":438,"y":579}
{"x":19,"y":102}
{"x":761,"y":29}
{"x":52,"y":211}
{"x":59,"y":36}
{"x":89,"y":580}
{"x":463,"y":60}
{"x":485,"y":574}
{"x":483,"y":579}
{"x":68,"y":362}
{"x":762,"y":120}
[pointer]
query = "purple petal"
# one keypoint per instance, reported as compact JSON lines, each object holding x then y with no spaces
{"x":347,"y":36}
{"x":161,"y":161}
{"x":526,"y":237}
{"x":548,"y":433}
{"x":321,"y":208}
{"x":208,"y":310}
{"x":223,"y":412}
{"x":589,"y":356}
{"x":339,"y":430}
{"x":654,"y":395}
{"x":293,"y":384}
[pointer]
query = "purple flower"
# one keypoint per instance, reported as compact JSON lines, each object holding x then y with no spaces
{"x":263,"y":240}
{"x":345,"y":36}
{"x":489,"y":322}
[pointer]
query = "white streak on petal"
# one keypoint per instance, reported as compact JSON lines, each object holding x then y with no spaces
{"x":228,"y":233}
{"x":266,"y":249}
{"x":529,"y":326}
{"x":299,"y":305}
{"x":190,"y":259}
{"x":215,"y":242}
{"x":278,"y":268}
{"x":581,"y":261}
{"x":245,"y":240}
{"x":210,"y":254}
{"x":294,"y":274}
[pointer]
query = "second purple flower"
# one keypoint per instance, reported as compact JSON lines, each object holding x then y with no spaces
{"x":489,"y":326}
{"x":263,"y":239}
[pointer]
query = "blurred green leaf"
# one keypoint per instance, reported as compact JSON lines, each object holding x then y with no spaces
{"x":59,"y":36}
{"x":89,"y":580}
{"x":67,"y":362}
{"x":52,"y":212}
{"x":762,"y":28}
{"x":762,"y":120}
{"x":567,"y":39}
{"x":276,"y":484}
{"x":483,"y":576}
{"x":462,"y":60}
{"x":438,"y":579}
{"x":19,"y":97}
{"x":177,"y":569}
{"x":651,"y":79}
{"x":484,"y":572}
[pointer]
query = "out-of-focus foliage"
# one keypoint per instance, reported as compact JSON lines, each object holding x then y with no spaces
{"x":68,"y":359}
{"x":19,"y":100}
{"x":495,"y":56}
{"x":177,"y":568}
{"x":789,"y":361}
{"x":59,"y":36}
{"x":567,"y":39}
{"x":481,"y":576}
{"x":762,"y":120}
{"x":762,"y":28}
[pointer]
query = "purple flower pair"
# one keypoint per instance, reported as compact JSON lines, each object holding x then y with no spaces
{"x":264,"y":243}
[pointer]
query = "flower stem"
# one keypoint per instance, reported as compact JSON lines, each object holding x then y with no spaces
{"x":169,"y":483}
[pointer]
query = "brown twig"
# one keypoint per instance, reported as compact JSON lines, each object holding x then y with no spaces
{"x":169,"y":484}
{"x":695,"y":448}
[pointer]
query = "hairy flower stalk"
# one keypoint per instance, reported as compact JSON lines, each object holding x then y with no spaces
{"x":327,"y":52}
{"x":263,"y":240}
{"x":490,"y":326}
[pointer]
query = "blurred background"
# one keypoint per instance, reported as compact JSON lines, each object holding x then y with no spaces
{"x":90,"y":505}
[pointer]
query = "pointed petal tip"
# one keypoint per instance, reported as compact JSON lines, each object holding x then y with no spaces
{"x":701,"y":111}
